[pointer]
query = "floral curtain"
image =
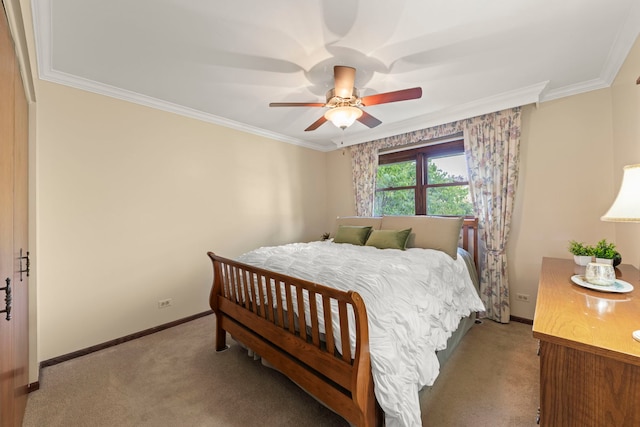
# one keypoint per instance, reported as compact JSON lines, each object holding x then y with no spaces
{"x":364,"y":163}
{"x":492,"y":147}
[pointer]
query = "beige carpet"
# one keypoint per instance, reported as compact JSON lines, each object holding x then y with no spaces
{"x":493,"y":379}
{"x":175,"y":378}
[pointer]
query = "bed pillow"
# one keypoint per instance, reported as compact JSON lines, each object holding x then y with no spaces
{"x":428,"y":232}
{"x":360,"y":221}
{"x":389,"y":239}
{"x":353,"y":234}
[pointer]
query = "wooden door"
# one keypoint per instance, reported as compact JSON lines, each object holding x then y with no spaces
{"x":14,"y":339}
{"x":20,"y":312}
{"x":7,"y":120}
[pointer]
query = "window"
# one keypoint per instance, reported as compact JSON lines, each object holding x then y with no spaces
{"x":430,"y":180}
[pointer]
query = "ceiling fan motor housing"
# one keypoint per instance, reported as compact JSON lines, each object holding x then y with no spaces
{"x":334,"y":100}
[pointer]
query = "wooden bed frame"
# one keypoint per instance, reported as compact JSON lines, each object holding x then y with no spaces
{"x":341,"y":380}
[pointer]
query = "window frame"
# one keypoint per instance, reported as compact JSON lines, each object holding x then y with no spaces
{"x":420,"y":155}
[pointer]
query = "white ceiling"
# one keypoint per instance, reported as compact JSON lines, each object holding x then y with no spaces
{"x":224,"y":61}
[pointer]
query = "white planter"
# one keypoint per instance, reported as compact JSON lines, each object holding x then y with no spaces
{"x":582,"y":259}
{"x":604,"y":261}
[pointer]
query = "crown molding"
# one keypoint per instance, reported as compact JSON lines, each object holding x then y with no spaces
{"x":42,"y":29}
{"x":536,"y":93}
{"x":622,"y":45}
{"x":511,"y":99}
{"x":136,"y":98}
{"x":16,"y":26}
{"x":575,"y":89}
{"x":618,"y":53}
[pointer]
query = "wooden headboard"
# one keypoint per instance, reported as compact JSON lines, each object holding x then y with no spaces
{"x":469,"y":234}
{"x":429,"y":232}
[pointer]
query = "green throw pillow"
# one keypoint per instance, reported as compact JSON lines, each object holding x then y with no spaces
{"x":428,"y":232}
{"x":355,"y":235}
{"x":389,"y":239}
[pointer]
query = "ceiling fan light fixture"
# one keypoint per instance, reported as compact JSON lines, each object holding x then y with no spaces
{"x":344,"y":116}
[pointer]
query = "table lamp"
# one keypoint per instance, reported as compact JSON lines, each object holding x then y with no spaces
{"x":626,"y":206}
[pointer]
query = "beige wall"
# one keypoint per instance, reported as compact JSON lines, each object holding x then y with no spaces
{"x":340,"y":200}
{"x":573,"y":153}
{"x":565,"y":185}
{"x":626,"y":134}
{"x":130,"y":199}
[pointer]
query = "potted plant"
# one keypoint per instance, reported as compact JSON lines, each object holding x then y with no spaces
{"x":605,"y":252}
{"x":582,"y":253}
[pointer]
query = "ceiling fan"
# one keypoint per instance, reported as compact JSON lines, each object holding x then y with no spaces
{"x":344,"y":101}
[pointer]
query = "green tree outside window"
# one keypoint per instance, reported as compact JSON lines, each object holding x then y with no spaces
{"x":416,"y":182}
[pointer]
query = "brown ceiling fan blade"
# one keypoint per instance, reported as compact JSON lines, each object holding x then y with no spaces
{"x":368,"y":120}
{"x":399,"y":95}
{"x":315,"y":125}
{"x":296,"y":104}
{"x":344,"y":79}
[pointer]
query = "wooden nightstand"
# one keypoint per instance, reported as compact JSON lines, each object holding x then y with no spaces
{"x":589,"y":362}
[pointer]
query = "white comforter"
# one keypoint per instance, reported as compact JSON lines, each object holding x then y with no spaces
{"x":415,"y":300}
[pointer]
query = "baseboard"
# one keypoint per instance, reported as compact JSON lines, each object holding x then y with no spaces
{"x":521,"y":320}
{"x":65,"y":357}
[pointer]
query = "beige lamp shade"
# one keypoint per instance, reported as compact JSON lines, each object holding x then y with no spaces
{"x":626,"y":207}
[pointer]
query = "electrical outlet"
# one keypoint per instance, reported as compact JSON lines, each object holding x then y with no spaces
{"x":522,"y":297}
{"x":164,"y":303}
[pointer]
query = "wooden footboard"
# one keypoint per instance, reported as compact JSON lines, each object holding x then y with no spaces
{"x":260,"y":308}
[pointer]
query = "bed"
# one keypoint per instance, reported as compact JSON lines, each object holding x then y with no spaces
{"x":306,"y":320}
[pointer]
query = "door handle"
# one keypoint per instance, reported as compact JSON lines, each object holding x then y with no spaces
{"x":28,"y":266}
{"x":7,"y":298}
